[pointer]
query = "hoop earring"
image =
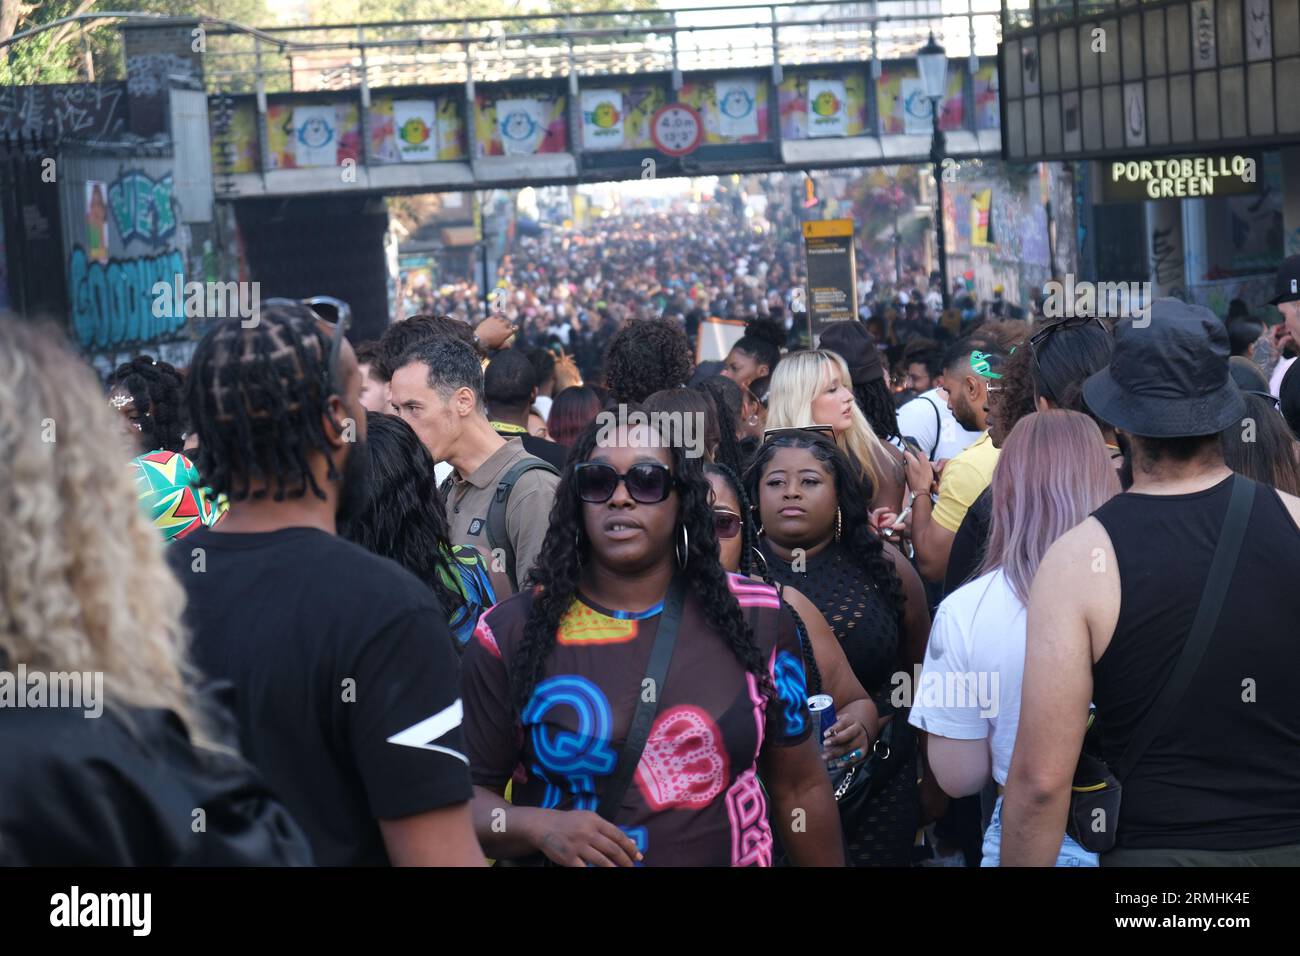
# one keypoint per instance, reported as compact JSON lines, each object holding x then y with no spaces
{"x":837,"y":524}
{"x":761,"y":560}
{"x":684,"y":552}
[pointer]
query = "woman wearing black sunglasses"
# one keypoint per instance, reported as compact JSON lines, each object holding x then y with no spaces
{"x":554,"y":674}
{"x":815,"y":535}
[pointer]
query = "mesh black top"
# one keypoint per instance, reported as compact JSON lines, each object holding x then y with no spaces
{"x":862,"y":621}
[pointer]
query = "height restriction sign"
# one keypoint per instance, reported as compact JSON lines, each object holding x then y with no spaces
{"x":676,"y":129}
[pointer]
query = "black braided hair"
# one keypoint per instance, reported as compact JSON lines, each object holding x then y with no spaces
{"x":156,"y":388}
{"x":726,"y":397}
{"x":858,"y":539}
{"x":403,"y":517}
{"x":256,"y":397}
{"x":762,"y":340}
{"x":877,"y":405}
{"x":555,"y":580}
{"x":748,"y":566}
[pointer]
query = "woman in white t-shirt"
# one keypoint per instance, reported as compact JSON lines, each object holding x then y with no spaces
{"x":1053,"y":472}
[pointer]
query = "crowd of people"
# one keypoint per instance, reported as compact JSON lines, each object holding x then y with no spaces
{"x":545,"y":590}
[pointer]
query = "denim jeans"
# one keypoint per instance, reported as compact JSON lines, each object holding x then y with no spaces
{"x":1071,"y":853}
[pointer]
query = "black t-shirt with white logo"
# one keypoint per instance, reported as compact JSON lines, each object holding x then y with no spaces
{"x":345,"y":681}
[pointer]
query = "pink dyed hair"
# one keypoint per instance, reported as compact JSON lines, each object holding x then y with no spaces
{"x":1053,"y":472}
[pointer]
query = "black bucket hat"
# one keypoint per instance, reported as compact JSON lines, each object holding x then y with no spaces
{"x":1169,"y":377}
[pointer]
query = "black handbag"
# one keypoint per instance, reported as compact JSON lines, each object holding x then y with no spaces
{"x":1096,"y":791}
{"x":854,"y":787}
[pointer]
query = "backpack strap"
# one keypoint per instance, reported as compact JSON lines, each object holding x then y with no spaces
{"x":938,"y":427}
{"x":1222,"y":565}
{"x":497,"y":533}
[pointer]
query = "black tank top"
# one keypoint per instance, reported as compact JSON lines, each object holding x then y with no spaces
{"x":1224,"y":772}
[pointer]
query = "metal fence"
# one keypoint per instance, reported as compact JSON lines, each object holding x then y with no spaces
{"x":541,"y":46}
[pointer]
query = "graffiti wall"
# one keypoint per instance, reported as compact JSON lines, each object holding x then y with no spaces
{"x":232,"y":128}
{"x":80,"y":110}
{"x":1006,"y":210}
{"x":123,"y":232}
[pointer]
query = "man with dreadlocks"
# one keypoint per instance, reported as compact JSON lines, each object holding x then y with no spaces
{"x":342,"y":665}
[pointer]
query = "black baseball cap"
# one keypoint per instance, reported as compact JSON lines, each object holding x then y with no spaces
{"x":1287,"y":285}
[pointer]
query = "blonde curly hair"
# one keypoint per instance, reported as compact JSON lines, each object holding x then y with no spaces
{"x":83,"y":583}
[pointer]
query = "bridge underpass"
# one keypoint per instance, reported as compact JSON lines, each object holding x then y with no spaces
{"x":433,"y":106}
{"x":235,"y":153}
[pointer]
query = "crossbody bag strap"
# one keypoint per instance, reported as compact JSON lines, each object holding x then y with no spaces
{"x":938,"y":428}
{"x":1231,"y":536}
{"x":661,"y":654}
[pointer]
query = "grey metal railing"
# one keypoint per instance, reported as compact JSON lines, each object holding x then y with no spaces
{"x":541,"y":46}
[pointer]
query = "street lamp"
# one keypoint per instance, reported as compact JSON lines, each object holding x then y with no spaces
{"x":932,"y":62}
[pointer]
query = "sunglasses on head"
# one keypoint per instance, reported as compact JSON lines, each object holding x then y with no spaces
{"x":1074,"y":322}
{"x":726,"y":524}
{"x":826,"y":431}
{"x":648,"y":482}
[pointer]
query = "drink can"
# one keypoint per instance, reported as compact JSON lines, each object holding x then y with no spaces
{"x":822,"y":708}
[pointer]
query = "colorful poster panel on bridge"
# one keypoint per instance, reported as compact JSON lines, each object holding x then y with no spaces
{"x":304,"y":135}
{"x":448,"y":134}
{"x":734,"y":109}
{"x":602,"y":119}
{"x":234,"y":140}
{"x":520,"y":125}
{"x":902,"y":105}
{"x":800,"y":92}
{"x":315,"y":136}
{"x":827,"y":115}
{"x":635,"y":103}
{"x":415,"y":123}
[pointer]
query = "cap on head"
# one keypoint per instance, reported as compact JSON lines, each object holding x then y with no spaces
{"x":1286,"y":286}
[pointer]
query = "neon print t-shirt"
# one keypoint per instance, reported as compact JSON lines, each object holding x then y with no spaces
{"x":695,"y":799}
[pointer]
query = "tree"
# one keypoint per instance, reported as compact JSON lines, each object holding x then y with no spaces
{"x":90,"y":48}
